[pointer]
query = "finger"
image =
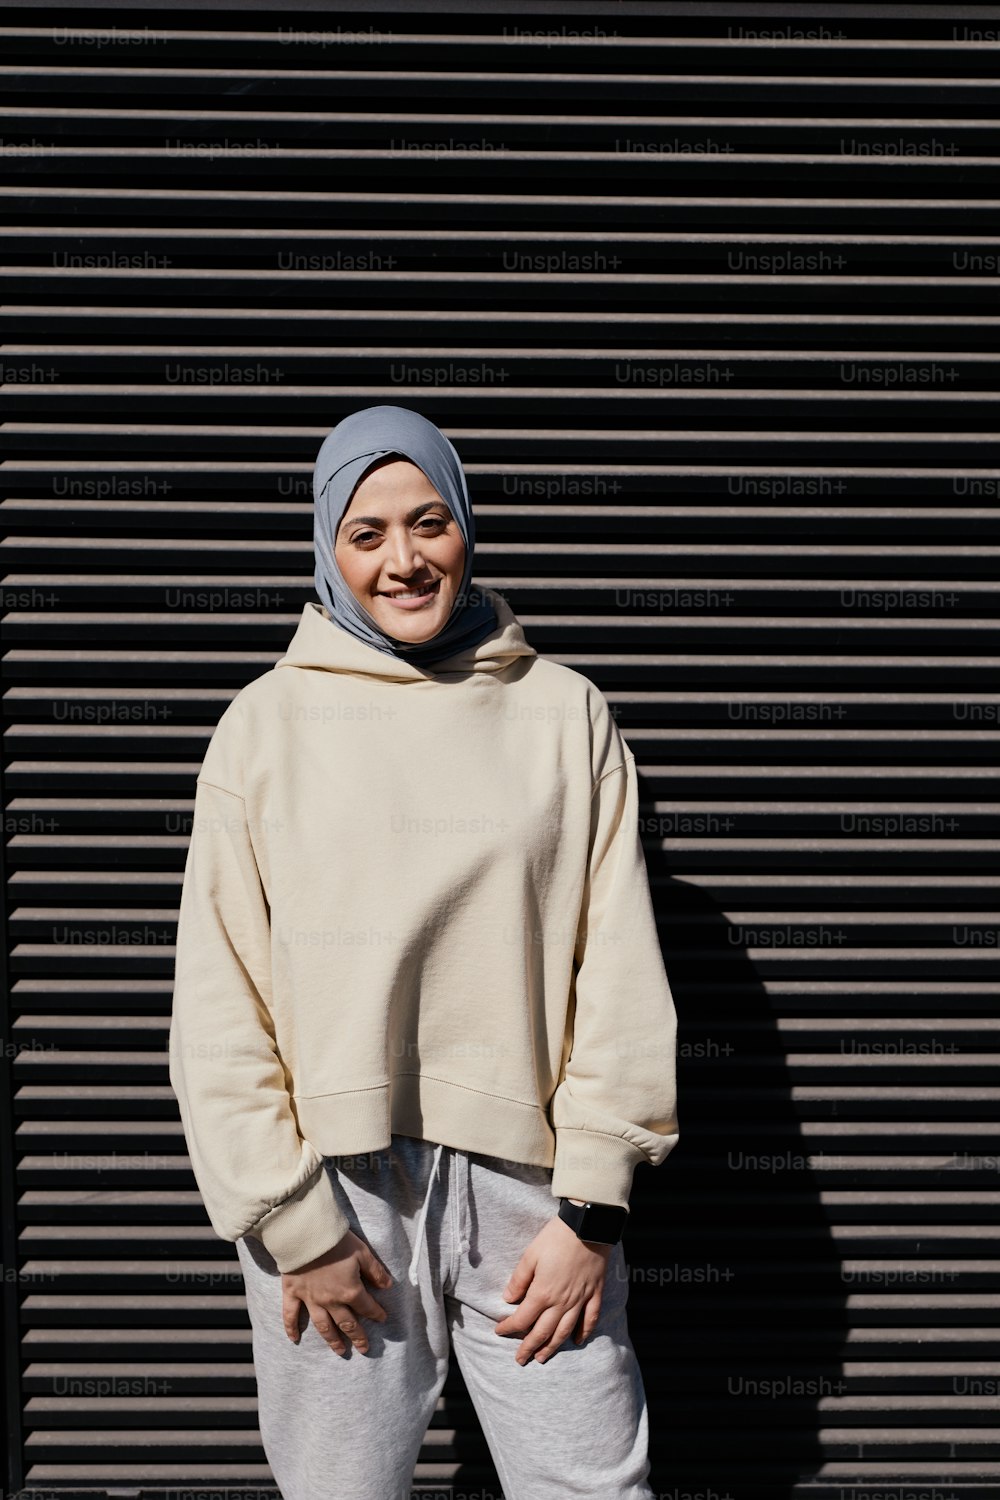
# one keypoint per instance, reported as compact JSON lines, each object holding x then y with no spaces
{"x":520,"y":1280}
{"x":375,"y":1270}
{"x":365,"y":1306}
{"x":519,"y":1323}
{"x":589,"y":1319}
{"x":291,"y":1315}
{"x":540,"y":1333}
{"x":330,"y":1327}
{"x":348,"y":1316}
{"x":562,"y":1332}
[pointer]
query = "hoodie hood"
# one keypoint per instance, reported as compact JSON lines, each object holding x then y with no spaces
{"x":320,"y":643}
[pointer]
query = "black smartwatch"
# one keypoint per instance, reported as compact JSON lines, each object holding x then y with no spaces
{"x":602,"y":1223}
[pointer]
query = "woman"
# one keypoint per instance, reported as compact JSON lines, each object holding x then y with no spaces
{"x":422,"y":1034}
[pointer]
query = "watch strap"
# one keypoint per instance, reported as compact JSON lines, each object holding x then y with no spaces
{"x":599,"y":1223}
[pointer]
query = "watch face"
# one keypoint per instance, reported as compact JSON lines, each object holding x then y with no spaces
{"x":603,"y":1222}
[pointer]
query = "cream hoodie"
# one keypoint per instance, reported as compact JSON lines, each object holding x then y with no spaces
{"x":415,"y":902}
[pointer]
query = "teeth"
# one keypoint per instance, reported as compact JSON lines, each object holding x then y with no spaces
{"x":413,"y":593}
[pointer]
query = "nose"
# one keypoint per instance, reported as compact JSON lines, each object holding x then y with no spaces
{"x":405,"y":556}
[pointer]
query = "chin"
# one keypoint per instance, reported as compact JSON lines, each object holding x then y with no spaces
{"x":413,"y":628}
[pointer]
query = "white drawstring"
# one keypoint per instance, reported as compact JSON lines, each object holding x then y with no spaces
{"x":414,"y":1274}
{"x":465,"y":1205}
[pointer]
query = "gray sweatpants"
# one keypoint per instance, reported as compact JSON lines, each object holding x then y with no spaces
{"x":572,"y":1428}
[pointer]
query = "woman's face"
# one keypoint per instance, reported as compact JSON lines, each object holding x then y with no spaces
{"x":398,"y":537}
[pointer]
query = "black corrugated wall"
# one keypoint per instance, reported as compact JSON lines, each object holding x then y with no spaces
{"x":706,"y":297}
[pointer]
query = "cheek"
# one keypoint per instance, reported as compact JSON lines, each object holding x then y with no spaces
{"x":356,"y":578}
{"x":454,"y":562}
{"x":355,"y":566}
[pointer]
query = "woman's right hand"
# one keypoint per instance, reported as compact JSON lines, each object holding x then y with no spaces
{"x":332,"y":1290}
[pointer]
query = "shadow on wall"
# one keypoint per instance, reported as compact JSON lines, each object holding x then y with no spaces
{"x":737,"y":1306}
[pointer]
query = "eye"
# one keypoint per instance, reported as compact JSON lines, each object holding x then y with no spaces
{"x":363,"y":538}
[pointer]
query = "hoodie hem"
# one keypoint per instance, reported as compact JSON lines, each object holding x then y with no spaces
{"x":362,"y":1120}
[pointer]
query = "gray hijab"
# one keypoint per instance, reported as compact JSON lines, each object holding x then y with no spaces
{"x":350,"y":449}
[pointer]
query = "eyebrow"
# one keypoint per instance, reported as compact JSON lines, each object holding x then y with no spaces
{"x":411,"y":515}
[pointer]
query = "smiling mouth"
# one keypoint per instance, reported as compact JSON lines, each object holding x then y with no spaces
{"x":420,"y":593}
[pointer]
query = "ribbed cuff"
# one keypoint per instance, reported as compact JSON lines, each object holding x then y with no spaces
{"x":305,"y":1226}
{"x":595,"y":1167}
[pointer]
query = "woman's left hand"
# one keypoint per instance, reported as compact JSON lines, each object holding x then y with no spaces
{"x":566,"y":1280}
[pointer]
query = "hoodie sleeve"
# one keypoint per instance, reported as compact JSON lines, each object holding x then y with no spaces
{"x":615,"y":1105}
{"x":255,"y":1172}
